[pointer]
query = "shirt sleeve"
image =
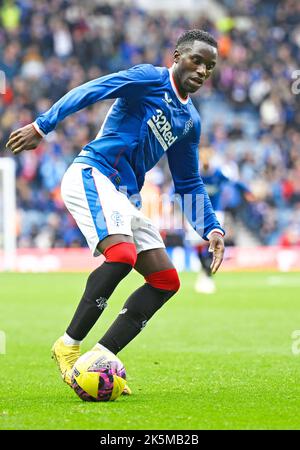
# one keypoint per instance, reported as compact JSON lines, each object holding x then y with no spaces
{"x":126,"y":83}
{"x":189,"y":187}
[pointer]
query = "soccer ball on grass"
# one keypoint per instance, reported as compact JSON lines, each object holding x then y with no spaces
{"x":98,"y":376}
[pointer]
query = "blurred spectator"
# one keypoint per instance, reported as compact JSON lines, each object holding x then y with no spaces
{"x":250,"y":116}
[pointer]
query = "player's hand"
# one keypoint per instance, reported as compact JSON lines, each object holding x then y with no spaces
{"x":25,"y":138}
{"x":217,"y":247}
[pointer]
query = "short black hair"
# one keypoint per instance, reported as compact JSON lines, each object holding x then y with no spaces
{"x":189,"y":36}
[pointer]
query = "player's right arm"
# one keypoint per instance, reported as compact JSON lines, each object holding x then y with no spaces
{"x":194,"y":200}
{"x":126,"y":83}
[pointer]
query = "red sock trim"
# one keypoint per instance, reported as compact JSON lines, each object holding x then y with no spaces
{"x":167,"y":280}
{"x":122,"y":252}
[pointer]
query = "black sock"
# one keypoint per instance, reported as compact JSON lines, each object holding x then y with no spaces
{"x":137,"y":310}
{"x":100,"y":285}
{"x":206,"y":260}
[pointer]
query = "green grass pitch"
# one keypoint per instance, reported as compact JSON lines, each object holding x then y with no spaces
{"x":221,"y":361}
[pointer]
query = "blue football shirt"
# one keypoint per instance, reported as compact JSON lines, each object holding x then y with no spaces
{"x":148,"y":118}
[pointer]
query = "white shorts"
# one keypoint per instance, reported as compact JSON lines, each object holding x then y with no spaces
{"x":100,"y":210}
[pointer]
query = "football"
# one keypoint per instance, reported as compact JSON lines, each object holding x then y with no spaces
{"x":98,"y":376}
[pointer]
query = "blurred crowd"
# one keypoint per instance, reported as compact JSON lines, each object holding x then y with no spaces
{"x":248,"y":109}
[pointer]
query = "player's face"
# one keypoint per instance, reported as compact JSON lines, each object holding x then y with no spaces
{"x":194,"y":65}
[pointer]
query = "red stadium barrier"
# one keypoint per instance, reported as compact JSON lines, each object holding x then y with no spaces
{"x":278,"y":258}
{"x":80,"y":259}
{"x":54,"y":260}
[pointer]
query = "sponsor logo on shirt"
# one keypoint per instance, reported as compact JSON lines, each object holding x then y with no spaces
{"x":162,"y":129}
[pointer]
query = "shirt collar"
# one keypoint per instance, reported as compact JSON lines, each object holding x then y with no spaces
{"x":174,"y":87}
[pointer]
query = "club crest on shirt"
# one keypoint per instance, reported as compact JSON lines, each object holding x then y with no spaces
{"x":117,"y":218}
{"x":188,"y":126}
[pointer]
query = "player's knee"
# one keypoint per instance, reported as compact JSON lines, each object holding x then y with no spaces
{"x":167,"y":280}
{"x":123,"y":252}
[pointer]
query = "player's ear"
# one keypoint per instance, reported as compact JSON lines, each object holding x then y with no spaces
{"x":176,"y":56}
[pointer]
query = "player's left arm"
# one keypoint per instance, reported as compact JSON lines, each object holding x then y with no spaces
{"x":184,"y":167}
